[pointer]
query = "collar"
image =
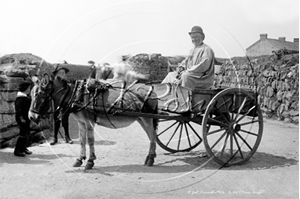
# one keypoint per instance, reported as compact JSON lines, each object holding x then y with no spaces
{"x":21,"y":94}
{"x":199,"y":45}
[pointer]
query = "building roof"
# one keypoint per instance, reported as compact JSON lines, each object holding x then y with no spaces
{"x":279,"y":44}
{"x":284,"y":44}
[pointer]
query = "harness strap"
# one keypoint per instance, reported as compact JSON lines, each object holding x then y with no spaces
{"x":62,"y":100}
{"x":71,"y":100}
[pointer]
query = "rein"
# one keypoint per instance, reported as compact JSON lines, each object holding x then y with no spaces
{"x":70,"y":102}
{"x":63,"y":98}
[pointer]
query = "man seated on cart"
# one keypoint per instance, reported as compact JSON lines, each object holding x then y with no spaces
{"x":197,"y":70}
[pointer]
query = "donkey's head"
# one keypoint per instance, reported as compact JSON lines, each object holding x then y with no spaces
{"x":41,"y":95}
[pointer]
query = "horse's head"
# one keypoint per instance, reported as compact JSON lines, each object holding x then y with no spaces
{"x":41,"y":98}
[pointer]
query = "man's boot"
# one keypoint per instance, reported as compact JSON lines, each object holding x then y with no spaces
{"x":25,"y":150}
{"x":19,"y":148}
{"x":54,"y":141}
{"x":68,"y":140}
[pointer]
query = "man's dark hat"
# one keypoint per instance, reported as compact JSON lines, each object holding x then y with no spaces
{"x":59,"y":67}
{"x":24,"y":85}
{"x":196,"y":29}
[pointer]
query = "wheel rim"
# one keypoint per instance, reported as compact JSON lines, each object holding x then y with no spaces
{"x":178,"y":136}
{"x":237,"y":127}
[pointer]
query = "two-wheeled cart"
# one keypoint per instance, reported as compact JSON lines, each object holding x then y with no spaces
{"x":230,"y":119}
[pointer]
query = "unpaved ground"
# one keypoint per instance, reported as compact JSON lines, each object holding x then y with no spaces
{"x":119,"y":172}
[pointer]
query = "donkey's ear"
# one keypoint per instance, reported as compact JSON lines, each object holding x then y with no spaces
{"x":45,"y":80}
{"x":47,"y":77}
{"x":35,"y":79}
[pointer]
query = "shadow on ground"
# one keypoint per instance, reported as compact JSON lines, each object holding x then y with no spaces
{"x":9,"y":158}
{"x":186,"y":162}
{"x":100,"y":142}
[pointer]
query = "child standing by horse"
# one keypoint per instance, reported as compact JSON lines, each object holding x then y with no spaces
{"x":22,"y":105}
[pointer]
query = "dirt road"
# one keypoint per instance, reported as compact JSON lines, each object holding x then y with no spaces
{"x":273,"y":172}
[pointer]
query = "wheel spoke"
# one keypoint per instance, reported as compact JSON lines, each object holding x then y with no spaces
{"x":248,"y":132}
{"x":231,"y":144}
{"x":218,"y":140}
{"x":187,"y":134}
{"x":251,"y":122}
{"x":215,"y":131}
{"x":210,"y":120}
{"x":224,"y":146}
{"x":240,"y":109}
{"x":245,"y":114}
{"x":224,"y":103}
{"x":224,"y":116}
{"x":244,"y":141}
{"x":180,"y":133}
{"x":173,"y":134}
{"x":239,"y":148}
{"x":194,"y":131}
{"x":234,"y":101}
{"x":167,"y":128}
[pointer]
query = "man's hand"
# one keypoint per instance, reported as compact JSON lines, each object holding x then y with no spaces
{"x":179,"y":69}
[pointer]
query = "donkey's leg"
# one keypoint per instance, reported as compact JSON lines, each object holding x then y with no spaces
{"x":150,"y":126}
{"x":91,"y":142}
{"x":82,"y":139}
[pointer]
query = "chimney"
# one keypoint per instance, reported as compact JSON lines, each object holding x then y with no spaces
{"x":281,"y":38}
{"x":296,"y":40}
{"x":263,"y":36}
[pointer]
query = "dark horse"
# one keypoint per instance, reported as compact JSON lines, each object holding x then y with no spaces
{"x":108,"y":100}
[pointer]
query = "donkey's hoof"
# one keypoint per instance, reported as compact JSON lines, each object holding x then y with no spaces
{"x":150,"y":162}
{"x":89,"y":165}
{"x":77,"y":163}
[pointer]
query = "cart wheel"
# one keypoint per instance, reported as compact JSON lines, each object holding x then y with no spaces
{"x":236,"y":127}
{"x":178,"y":136}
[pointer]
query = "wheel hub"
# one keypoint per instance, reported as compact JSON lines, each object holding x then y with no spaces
{"x":233,"y":127}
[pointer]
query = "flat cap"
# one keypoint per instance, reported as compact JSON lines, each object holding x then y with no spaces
{"x":24,"y":85}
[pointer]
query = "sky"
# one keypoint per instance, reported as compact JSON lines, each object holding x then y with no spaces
{"x":103,"y":30}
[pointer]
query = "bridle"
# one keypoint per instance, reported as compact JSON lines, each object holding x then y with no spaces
{"x":44,"y":103}
{"x":49,"y":97}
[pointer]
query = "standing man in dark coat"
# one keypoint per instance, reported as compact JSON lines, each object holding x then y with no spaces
{"x":60,"y":73}
{"x":22,"y":105}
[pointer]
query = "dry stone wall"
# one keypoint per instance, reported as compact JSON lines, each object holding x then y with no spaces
{"x":155,"y":66}
{"x":276,"y":80}
{"x":15,"y":68}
